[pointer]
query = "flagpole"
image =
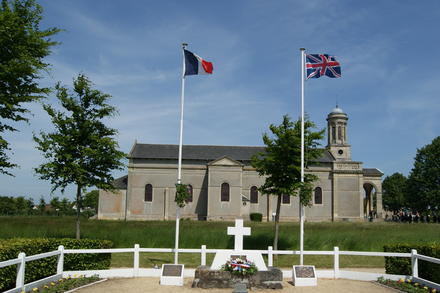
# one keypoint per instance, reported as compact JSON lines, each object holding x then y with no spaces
{"x":179,"y":168}
{"x":301,"y":207}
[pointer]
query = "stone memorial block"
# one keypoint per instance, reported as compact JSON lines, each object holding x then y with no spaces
{"x":172,"y":275}
{"x":221,"y":257}
{"x":304,"y":276}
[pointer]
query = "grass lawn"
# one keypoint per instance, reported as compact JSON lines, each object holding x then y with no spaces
{"x":318,"y":236}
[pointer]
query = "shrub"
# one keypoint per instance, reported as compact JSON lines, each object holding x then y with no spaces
{"x":256,"y":217}
{"x":38,"y":269}
{"x":402,"y":265}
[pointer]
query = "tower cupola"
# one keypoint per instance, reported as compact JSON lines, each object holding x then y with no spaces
{"x":337,"y":141}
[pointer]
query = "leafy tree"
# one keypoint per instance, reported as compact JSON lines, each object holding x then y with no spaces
{"x":281,"y":162}
{"x":23,"y":46}
{"x":424,"y":179}
{"x":66,"y":207}
{"x":42,"y":206}
{"x":7,"y":206}
{"x":91,"y":200}
{"x":81,"y":150}
{"x":55,"y":205}
{"x":394,"y":190}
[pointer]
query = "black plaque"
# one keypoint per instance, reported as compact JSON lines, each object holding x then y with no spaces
{"x":305,"y":272}
{"x":172,"y":270}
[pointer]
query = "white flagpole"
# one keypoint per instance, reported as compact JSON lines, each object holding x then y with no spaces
{"x":179,"y":168}
{"x":301,"y":207}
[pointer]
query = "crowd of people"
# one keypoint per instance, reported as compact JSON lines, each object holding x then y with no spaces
{"x":413,"y":217}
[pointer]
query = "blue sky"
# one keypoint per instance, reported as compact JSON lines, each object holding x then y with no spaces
{"x":390,"y":87}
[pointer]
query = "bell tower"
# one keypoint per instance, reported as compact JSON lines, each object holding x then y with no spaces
{"x":337,"y":142}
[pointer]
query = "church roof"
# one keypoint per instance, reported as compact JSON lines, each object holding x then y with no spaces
{"x":121,"y":182}
{"x":371,"y":172}
{"x":202,"y":152}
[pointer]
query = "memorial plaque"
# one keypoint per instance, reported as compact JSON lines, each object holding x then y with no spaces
{"x":242,"y":257}
{"x":305,"y":272}
{"x":304,"y":276}
{"x":172,"y":275}
{"x":172,"y":270}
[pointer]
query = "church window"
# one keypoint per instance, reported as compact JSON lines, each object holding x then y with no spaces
{"x":190,"y":192}
{"x":225,"y":192}
{"x":333,"y":133}
{"x":254,"y":194}
{"x":318,"y":195}
{"x":339,"y":132}
{"x":148,"y":193}
{"x":286,"y":199}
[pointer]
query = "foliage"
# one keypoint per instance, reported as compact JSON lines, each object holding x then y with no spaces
{"x":394,"y":190}
{"x":35,"y":270}
{"x":182,"y":195}
{"x":280,"y":163}
{"x":402,"y":266}
{"x":81,"y":150}
{"x":66,"y":284}
{"x":406,"y":286}
{"x":256,"y":217}
{"x":16,"y":206}
{"x":424,"y":179}
{"x":23,"y":46}
{"x":240,"y":267}
{"x":91,"y":200}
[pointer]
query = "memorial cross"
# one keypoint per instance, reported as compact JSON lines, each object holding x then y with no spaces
{"x":239,"y":231}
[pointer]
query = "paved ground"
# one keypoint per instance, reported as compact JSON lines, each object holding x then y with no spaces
{"x":132,"y":285}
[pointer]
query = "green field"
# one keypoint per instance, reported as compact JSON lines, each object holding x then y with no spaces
{"x":318,"y":236}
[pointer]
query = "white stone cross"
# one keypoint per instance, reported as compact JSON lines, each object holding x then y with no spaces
{"x":239,"y":231}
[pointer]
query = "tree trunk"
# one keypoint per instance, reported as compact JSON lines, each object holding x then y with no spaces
{"x":268,"y":208}
{"x":277,"y":220}
{"x":78,"y":211}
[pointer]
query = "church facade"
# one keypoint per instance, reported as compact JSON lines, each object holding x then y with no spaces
{"x":224,"y":186}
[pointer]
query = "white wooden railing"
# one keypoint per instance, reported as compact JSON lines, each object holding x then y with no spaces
{"x":136,"y":271}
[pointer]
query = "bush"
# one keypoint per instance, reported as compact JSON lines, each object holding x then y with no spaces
{"x":256,"y":217}
{"x":402,"y":265}
{"x":38,"y":269}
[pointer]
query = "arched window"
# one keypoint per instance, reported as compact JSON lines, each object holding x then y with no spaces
{"x":286,"y":199}
{"x":225,"y":192}
{"x":254,"y":194}
{"x":148,"y":192}
{"x":318,"y":195}
{"x":190,"y":192}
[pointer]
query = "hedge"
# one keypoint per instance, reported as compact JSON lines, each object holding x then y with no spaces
{"x":256,"y":217}
{"x":402,"y":265}
{"x":38,"y":269}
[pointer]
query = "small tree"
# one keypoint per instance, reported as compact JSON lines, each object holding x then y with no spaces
{"x":81,"y":150}
{"x":91,"y":200}
{"x":281,"y":162}
{"x":23,"y":46}
{"x":394,"y":189}
{"x":424,"y":179}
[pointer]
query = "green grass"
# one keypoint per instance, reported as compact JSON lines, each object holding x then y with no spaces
{"x":318,"y":236}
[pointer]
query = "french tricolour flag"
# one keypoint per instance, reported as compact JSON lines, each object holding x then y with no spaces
{"x":196,"y":65}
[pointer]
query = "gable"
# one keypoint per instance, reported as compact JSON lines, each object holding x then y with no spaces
{"x":224,"y":161}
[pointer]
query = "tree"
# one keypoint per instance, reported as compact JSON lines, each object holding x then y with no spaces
{"x":23,"y":46}
{"x":394,"y":191}
{"x":81,"y":150}
{"x":42,"y":206}
{"x":281,"y":162}
{"x":424,"y":179}
{"x":91,"y":200}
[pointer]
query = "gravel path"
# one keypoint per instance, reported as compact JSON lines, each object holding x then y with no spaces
{"x":131,"y":285}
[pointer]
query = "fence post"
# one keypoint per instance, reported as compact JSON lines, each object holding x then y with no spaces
{"x":20,"y":271}
{"x":60,"y":264}
{"x":136,"y":261}
{"x":414,"y":264}
{"x":270,"y":256}
{"x":336,"y":262}
{"x":203,"y":255}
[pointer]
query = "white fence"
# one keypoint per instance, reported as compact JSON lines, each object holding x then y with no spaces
{"x":136,"y":271}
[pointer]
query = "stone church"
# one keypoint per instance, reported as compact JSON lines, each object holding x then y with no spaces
{"x":223,"y":184}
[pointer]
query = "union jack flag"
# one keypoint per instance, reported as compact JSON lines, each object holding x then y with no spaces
{"x":322,"y":64}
